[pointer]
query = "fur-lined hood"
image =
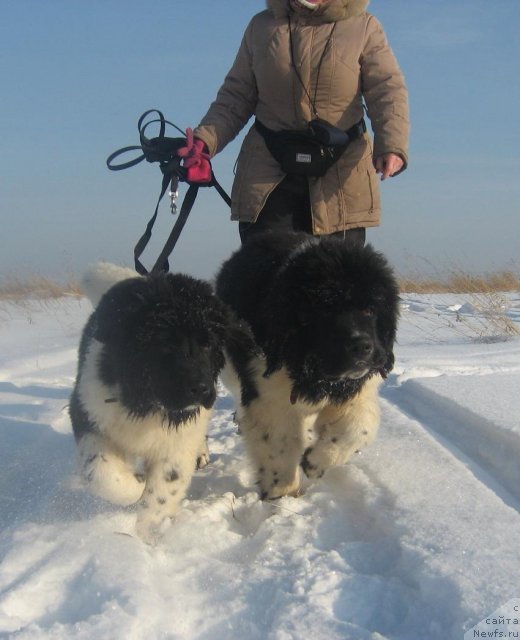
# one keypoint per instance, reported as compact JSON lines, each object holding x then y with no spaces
{"x":333,"y":11}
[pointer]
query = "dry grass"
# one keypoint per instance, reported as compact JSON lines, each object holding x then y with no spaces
{"x":485,"y":294}
{"x":460,"y":282}
{"x":37,"y":287}
{"x":483,"y":317}
{"x":13,"y":289}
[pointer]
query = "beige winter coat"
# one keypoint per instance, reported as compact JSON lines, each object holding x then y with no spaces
{"x":357,"y":63}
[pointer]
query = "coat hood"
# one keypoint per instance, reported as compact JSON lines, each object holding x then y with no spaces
{"x":333,"y":11}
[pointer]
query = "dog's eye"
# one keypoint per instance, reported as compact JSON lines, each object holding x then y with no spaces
{"x":368,"y":313}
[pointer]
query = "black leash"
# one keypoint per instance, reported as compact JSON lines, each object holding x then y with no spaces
{"x":163,"y":150}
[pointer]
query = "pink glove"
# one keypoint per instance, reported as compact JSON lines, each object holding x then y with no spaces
{"x":195,"y":159}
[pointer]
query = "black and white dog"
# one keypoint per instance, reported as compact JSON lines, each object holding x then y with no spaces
{"x":324,"y":313}
{"x":149,"y":359}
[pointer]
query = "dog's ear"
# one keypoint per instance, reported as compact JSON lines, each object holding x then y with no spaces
{"x":241,"y":349}
{"x":239,"y":341}
{"x":279,"y":320}
{"x":119,"y":304}
{"x":389,"y":364}
{"x":274,"y":355}
{"x":218,"y":317}
{"x":387,"y":317}
{"x":381,"y":289}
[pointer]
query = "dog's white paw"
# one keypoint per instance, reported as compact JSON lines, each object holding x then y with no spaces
{"x":324,"y":455}
{"x":203,"y":457}
{"x":313,"y":464}
{"x":109,"y":476}
{"x":278,"y":487}
{"x":202,"y":461}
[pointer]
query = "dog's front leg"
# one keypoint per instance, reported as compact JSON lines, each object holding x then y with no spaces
{"x":344,"y":429}
{"x":275,"y":453}
{"x":275,"y":444}
{"x":169,"y":472}
{"x":166,"y":483}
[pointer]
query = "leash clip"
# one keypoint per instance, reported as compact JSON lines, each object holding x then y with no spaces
{"x":174,"y":194}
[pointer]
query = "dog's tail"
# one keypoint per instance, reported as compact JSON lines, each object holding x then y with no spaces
{"x":101,"y":276}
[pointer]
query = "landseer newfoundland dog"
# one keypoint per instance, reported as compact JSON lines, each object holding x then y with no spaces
{"x":324,"y":314}
{"x":149,"y":359}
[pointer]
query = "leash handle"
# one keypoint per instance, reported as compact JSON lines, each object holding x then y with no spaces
{"x":124,"y":165}
{"x":158,"y":149}
{"x":142,"y":128}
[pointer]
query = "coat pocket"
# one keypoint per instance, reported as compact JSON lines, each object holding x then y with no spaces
{"x":359,"y":180}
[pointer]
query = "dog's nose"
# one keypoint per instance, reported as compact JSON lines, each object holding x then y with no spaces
{"x":203,"y":393}
{"x":199,"y":390}
{"x":362,"y":348}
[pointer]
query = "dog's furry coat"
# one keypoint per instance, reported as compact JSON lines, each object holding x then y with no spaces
{"x":149,"y":359}
{"x":324,"y":313}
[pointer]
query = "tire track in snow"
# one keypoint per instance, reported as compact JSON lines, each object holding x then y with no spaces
{"x":458,"y":535}
{"x":490,"y":450}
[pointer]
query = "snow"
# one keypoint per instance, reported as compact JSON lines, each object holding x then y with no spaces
{"x":416,"y":538}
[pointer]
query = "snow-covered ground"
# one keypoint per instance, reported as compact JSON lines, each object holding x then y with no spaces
{"x":417,"y":538}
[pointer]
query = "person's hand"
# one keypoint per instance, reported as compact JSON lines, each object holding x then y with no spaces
{"x":195,"y":159}
{"x":388,"y":165}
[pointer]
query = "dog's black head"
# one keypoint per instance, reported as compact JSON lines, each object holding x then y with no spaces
{"x":332,"y":316}
{"x":163,"y":344}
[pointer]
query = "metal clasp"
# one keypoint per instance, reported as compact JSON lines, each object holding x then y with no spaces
{"x":174,"y":194}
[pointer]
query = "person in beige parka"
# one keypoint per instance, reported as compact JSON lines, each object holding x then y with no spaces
{"x":298,"y":60}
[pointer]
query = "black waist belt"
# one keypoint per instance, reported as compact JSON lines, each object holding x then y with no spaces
{"x":310,"y":151}
{"x":355,"y":132}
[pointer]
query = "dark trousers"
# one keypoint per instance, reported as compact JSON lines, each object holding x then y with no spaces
{"x":288,"y":208}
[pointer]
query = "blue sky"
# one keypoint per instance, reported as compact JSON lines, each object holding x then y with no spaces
{"x":76,"y":75}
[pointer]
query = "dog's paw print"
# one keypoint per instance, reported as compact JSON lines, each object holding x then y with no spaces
{"x":149,"y":530}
